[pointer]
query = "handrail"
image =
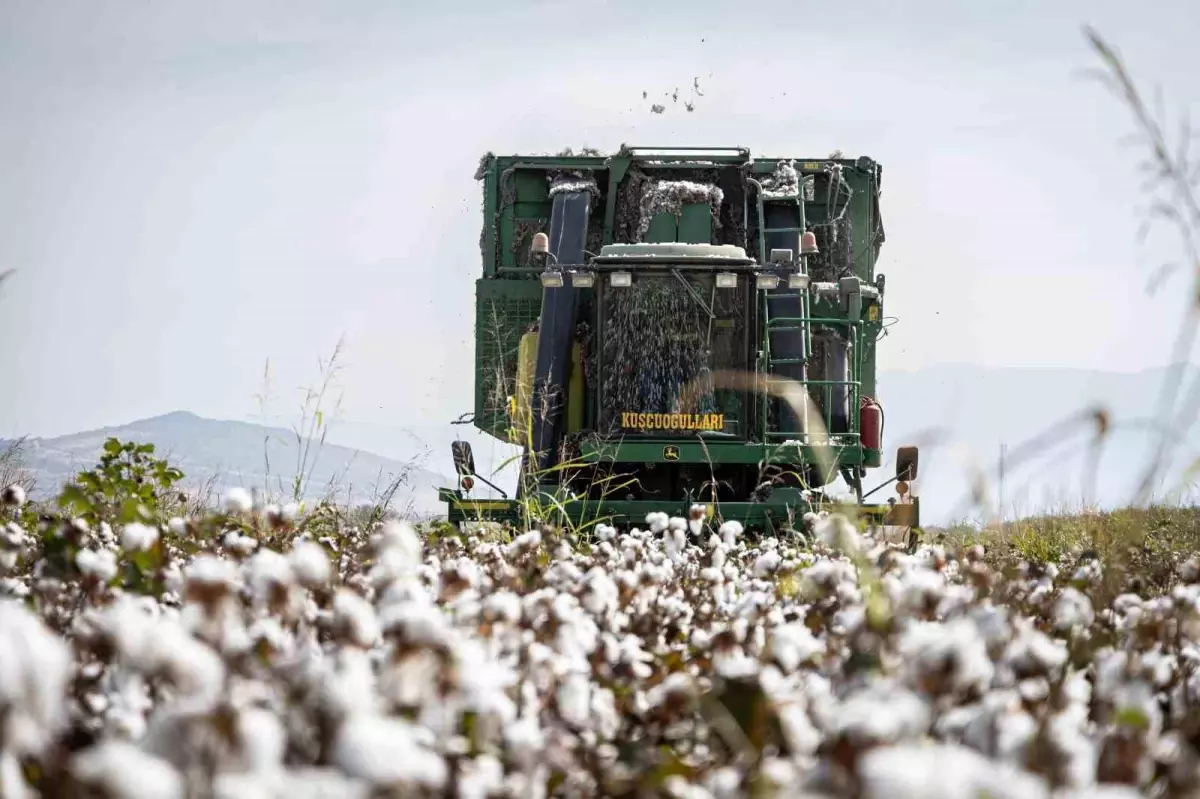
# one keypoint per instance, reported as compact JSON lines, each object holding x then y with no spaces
{"x":743,"y":151}
{"x":815,"y":320}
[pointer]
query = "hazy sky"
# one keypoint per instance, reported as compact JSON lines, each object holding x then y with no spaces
{"x":189,"y":189}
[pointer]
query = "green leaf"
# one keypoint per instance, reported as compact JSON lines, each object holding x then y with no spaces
{"x":74,"y":499}
{"x":112,"y":446}
{"x":89,"y":480}
{"x":132,"y":510}
{"x":1132,"y":717}
{"x":145,"y":561}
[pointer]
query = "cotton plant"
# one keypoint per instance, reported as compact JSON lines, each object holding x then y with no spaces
{"x":240,"y":653}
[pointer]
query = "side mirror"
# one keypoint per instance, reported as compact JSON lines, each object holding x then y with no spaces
{"x":464,"y":459}
{"x":906,"y":463}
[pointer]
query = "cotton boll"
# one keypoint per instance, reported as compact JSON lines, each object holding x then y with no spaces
{"x":730,"y":531}
{"x":525,"y":740}
{"x":766,"y":564}
{"x":310,"y":564}
{"x":525,"y":542}
{"x":238,"y":500}
{"x":122,"y":771}
{"x":238,"y":543}
{"x":12,"y":777}
{"x":837,"y":533}
{"x":211,"y":572}
{"x":35,"y":666}
{"x":101,"y":564}
{"x":573,"y":699}
{"x":480,"y":778}
{"x":794,"y":644}
{"x":355,"y":618}
{"x":1033,"y":653}
{"x":138,"y":537}
{"x":262,"y":740}
{"x":13,"y":496}
{"x":937,"y":771}
{"x":387,"y":752}
{"x":268,"y":571}
{"x":295,"y":783}
{"x":881,"y":712}
{"x":1073,"y":609}
{"x":192,"y":666}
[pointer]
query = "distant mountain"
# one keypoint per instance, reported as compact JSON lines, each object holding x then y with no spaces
{"x":957,"y":414}
{"x":234,"y":453}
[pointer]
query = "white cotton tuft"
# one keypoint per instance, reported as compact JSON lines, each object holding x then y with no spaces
{"x":238,"y":500}
{"x":138,"y":537}
{"x":387,"y":752}
{"x":356,"y":618}
{"x":210,"y":571}
{"x":310,"y":563}
{"x":101,"y":564}
{"x":837,"y":532}
{"x":238,"y":543}
{"x":766,"y":564}
{"x":123,"y":771}
{"x":730,"y":531}
{"x":942,"y":771}
{"x":13,"y":495}
{"x":35,"y":665}
{"x":1073,"y":609}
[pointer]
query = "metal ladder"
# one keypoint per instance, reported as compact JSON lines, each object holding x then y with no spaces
{"x":783,"y":324}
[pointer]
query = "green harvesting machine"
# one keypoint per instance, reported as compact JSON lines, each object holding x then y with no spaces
{"x":680,"y":330}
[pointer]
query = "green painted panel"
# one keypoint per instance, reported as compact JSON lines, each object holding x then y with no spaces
{"x":531,"y":186}
{"x":691,"y":450}
{"x":695,"y":224}
{"x":662,"y":229}
{"x":504,"y":310}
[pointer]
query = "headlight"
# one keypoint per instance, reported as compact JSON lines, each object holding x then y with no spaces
{"x":620,"y":279}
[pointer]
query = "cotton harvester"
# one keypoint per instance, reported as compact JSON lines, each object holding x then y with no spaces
{"x":680,"y":330}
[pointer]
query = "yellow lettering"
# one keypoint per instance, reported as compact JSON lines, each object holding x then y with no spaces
{"x":673,"y":421}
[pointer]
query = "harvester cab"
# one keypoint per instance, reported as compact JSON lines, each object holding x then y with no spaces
{"x":680,"y":331}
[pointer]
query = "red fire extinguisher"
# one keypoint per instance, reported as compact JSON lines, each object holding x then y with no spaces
{"x":870,"y":423}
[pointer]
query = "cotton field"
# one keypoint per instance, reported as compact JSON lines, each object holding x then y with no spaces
{"x":240,"y":656}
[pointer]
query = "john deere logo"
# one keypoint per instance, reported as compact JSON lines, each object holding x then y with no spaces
{"x":671,"y":452}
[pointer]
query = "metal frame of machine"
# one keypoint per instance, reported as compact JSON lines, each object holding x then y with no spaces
{"x":798,"y":238}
